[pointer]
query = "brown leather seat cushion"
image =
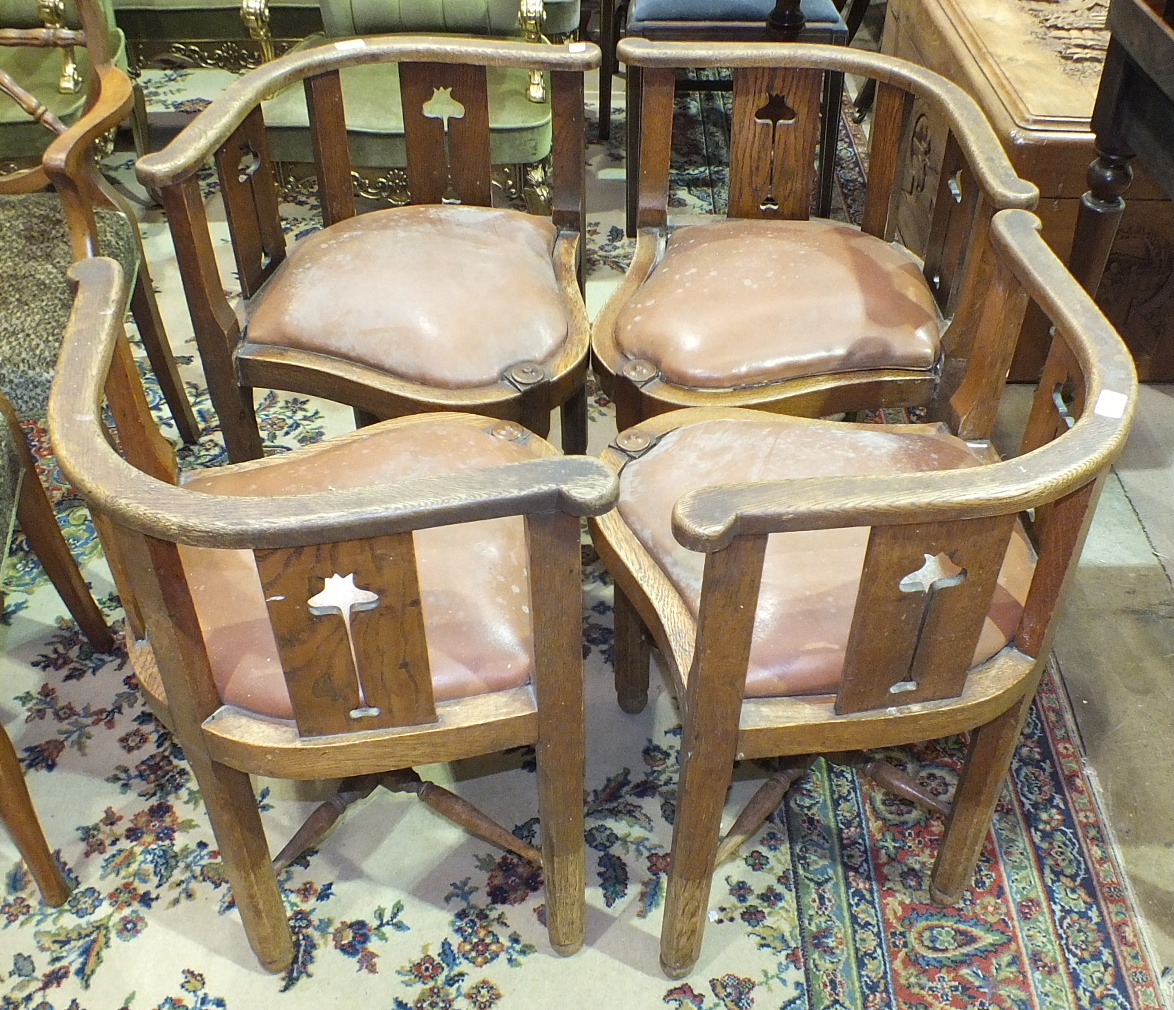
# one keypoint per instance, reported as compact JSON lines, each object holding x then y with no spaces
{"x":809,"y":578}
{"x":474,"y":580}
{"x":741,"y":303}
{"x":447,"y":296}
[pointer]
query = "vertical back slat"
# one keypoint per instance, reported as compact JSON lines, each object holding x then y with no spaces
{"x":953,"y":218}
{"x":249,"y":190}
{"x":466,"y":158}
{"x":775,"y":127}
{"x":922,"y":638}
{"x":890,"y":112}
{"x":319,"y":658}
{"x":567,"y":155}
{"x":657,"y":88}
{"x":331,"y":153}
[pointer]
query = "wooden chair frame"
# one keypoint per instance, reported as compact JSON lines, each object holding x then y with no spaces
{"x":957,"y":264}
{"x":68,"y":165}
{"x":232,"y":127}
{"x":145,"y":517}
{"x":1078,"y":423}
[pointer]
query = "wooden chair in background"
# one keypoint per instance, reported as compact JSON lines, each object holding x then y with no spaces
{"x":824,"y":588}
{"x":777,"y":310}
{"x":446,"y":304}
{"x":343,"y":610}
{"x":44,"y":231}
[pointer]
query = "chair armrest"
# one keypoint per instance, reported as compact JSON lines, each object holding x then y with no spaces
{"x":709,"y":519}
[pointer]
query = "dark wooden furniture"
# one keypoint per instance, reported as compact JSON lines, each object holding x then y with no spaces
{"x":775,"y":309}
{"x":1133,"y":117}
{"x":337,"y":612}
{"x":1034,"y":69}
{"x":445,"y":304}
{"x":824,"y":588}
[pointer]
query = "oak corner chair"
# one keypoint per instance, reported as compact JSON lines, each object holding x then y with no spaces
{"x":314,"y":615}
{"x":447,"y":303}
{"x":772,"y":307}
{"x":828,"y":588}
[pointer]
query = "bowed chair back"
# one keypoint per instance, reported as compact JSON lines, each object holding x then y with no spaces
{"x":827,"y":588}
{"x":776,"y":309}
{"x":445,"y":303}
{"x":338,"y":611}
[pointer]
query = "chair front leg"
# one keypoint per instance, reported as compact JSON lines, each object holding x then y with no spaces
{"x":531,"y":16}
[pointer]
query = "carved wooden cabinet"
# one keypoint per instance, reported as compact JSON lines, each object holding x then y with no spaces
{"x":1034,"y":66}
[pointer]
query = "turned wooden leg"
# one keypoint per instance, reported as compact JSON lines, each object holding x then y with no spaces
{"x":16,"y":809}
{"x":555,"y":581}
{"x":240,"y":837}
{"x":145,"y":308}
{"x":991,"y":748}
{"x":632,"y":654}
{"x":573,"y":415}
{"x":1098,"y":218}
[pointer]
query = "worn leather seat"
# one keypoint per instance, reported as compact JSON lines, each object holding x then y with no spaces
{"x":810,"y":578}
{"x":478,"y":625}
{"x":739,"y":303}
{"x":377,"y":289}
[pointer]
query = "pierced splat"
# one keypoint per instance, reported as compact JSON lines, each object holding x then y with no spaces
{"x":774,"y":113}
{"x":444,"y":107}
{"x":341,"y":596}
{"x":446,"y":131}
{"x":249,"y":162}
{"x":775,"y":128}
{"x":367,"y":670}
{"x":925,"y":592}
{"x":939,"y":572}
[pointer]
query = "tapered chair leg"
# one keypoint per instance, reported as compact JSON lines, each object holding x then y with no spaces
{"x":706,"y":769}
{"x":16,"y":809}
{"x":632,"y":654}
{"x":573,"y":417}
{"x":35,"y":514}
{"x":989,"y":759}
{"x":558,"y":687}
{"x":240,"y":837}
{"x":150,"y":323}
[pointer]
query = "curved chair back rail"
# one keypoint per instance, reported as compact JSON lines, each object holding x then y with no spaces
{"x":1003,"y":187}
{"x":846,"y":659}
{"x":184,"y":156}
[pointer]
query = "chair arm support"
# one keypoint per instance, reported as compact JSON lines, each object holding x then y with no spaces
{"x":576,"y":485}
{"x":981,"y":146}
{"x":708,"y":519}
{"x":255,"y":15}
{"x":186,"y":154}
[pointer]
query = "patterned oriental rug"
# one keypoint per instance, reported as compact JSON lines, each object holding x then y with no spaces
{"x":827,"y":908}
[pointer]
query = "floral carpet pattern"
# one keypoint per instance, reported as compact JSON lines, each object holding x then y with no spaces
{"x":827,"y":908}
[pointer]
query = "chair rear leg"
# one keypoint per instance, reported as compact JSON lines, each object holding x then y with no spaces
{"x":35,"y":513}
{"x":573,"y":418}
{"x":16,"y":809}
{"x":989,"y":759}
{"x":632,"y":654}
{"x":150,"y":323}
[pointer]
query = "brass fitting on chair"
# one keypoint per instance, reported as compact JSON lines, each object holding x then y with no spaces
{"x":531,"y":16}
{"x":52,"y":12}
{"x":255,"y":15}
